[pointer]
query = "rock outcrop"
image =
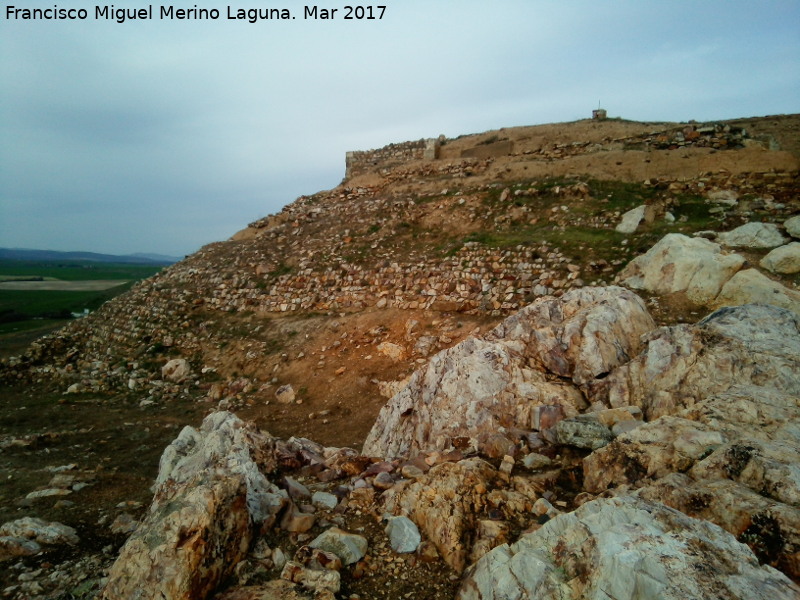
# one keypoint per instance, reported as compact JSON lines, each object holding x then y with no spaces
{"x":624,"y":548}
{"x":751,"y":286}
{"x":705,"y":274}
{"x":680,"y":365}
{"x":731,"y":458}
{"x":538,"y":357}
{"x":695,"y":267}
{"x":754,"y":235}
{"x":211,"y":499}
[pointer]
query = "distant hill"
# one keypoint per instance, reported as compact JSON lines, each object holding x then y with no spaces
{"x":137,"y":259}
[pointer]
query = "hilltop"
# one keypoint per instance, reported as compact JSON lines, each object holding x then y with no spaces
{"x":307,"y":321}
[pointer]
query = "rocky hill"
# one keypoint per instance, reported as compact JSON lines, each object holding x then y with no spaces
{"x":448,"y":311}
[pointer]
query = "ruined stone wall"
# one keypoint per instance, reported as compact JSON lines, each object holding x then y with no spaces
{"x":360,"y":162}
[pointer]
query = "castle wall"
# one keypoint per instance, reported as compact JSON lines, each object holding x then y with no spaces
{"x":363,"y":161}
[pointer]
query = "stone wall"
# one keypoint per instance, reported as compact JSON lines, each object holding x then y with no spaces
{"x":360,"y":162}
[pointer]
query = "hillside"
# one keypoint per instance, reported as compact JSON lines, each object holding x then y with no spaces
{"x":307,"y":321}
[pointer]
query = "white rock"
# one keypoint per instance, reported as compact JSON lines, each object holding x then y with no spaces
{"x":727,"y":197}
{"x":176,"y":370}
{"x":751,"y":286}
{"x":38,"y":530}
{"x":349,"y":547}
{"x":211,"y":496}
{"x":793,"y":226}
{"x":481,"y":384}
{"x":631,"y":220}
{"x":783,"y":259}
{"x":324,"y":499}
{"x":695,"y":267}
{"x":625,"y":548}
{"x":753,"y":235}
{"x":403,"y":534}
{"x":682,"y":364}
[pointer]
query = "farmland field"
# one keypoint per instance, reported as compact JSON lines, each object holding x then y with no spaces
{"x":37,"y":297}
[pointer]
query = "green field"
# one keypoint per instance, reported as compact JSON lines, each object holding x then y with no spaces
{"x":23,"y":309}
{"x":75,"y":270}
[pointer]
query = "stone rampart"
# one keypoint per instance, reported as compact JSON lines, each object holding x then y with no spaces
{"x":359,"y":162}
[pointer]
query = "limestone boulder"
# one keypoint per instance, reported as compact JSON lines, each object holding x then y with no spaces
{"x":748,"y":436}
{"x":783,"y":259}
{"x":211,"y":497}
{"x":684,"y":364}
{"x":624,"y":548}
{"x":793,"y":226}
{"x":753,"y":235}
{"x":751,"y":286}
{"x":694,"y":267}
{"x":769,"y":527}
{"x":499,"y":380}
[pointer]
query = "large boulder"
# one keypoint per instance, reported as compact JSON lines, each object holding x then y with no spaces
{"x":625,"y":548}
{"x":783,"y":259}
{"x":540,"y":356}
{"x":751,"y":286}
{"x":683,"y":364}
{"x":694,"y":267}
{"x":753,"y":235}
{"x":748,"y":435}
{"x":792,"y":226}
{"x":211,"y":498}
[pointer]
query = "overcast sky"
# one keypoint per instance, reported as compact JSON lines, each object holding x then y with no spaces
{"x":162,"y":136}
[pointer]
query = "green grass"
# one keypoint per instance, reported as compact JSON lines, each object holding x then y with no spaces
{"x":18,"y":307}
{"x":76,"y":270}
{"x":37,"y":303}
{"x":31,"y":325}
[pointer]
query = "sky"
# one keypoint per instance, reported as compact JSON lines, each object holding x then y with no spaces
{"x":161,"y":136}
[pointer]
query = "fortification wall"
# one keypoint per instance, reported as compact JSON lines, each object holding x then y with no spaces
{"x":359,"y":162}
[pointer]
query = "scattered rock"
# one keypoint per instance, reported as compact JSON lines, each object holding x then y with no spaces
{"x":393,"y":351}
{"x":793,"y":226}
{"x":349,"y":547}
{"x":403,"y":534}
{"x":285,"y":394}
{"x":28,"y":535}
{"x":726,"y":197}
{"x":634,"y":217}
{"x":176,"y":370}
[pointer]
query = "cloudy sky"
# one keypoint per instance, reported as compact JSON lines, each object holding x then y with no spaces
{"x":162,"y":136}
